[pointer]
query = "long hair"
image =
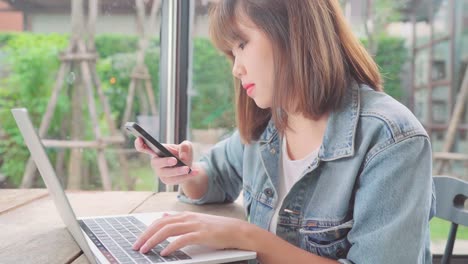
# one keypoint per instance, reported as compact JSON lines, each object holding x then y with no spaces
{"x":316,"y":56}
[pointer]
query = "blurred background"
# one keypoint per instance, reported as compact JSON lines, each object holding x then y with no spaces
{"x":116,"y":50}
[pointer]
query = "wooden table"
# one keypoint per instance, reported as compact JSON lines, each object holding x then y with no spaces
{"x":31,"y":230}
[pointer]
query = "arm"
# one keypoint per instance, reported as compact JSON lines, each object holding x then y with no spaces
{"x":391,"y":214}
{"x":392,"y":205}
{"x":220,"y":174}
{"x":216,"y":179}
{"x":196,"y":187}
{"x":222,"y":232}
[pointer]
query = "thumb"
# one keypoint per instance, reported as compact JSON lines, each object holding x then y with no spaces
{"x":186,"y":152}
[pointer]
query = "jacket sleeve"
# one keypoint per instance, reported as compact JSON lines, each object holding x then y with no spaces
{"x":223,"y":166}
{"x":394,"y":202}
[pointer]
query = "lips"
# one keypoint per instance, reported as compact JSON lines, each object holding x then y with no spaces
{"x":249,"y":87}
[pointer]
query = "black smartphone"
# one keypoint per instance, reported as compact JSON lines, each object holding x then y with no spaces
{"x":152,"y":143}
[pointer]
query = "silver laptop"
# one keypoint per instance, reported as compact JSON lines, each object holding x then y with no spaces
{"x":109,"y":239}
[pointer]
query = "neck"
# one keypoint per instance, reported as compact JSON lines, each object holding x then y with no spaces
{"x":304,"y":135}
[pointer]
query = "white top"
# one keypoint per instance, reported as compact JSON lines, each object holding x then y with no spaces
{"x":290,"y":172}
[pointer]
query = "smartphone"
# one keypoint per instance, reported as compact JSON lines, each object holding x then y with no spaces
{"x":152,"y":143}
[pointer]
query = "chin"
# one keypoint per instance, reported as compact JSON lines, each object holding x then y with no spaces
{"x":262,"y":105}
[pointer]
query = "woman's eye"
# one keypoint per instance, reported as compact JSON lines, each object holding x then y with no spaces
{"x":242,"y":45}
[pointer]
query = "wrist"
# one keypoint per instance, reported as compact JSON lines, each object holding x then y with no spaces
{"x":194,"y":177}
{"x":250,"y":236}
{"x":197,"y":184}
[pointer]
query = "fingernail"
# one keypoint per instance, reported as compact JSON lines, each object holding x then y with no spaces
{"x":164,"y":252}
{"x":143,"y":249}
{"x":183,"y":170}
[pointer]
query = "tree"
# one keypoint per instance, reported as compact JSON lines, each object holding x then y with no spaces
{"x":377,"y":16}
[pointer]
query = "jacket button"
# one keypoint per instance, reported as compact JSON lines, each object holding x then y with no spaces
{"x":272,"y":151}
{"x":268,"y":192}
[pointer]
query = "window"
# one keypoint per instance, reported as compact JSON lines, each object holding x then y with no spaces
{"x":441,"y":20}
{"x":211,"y":109}
{"x":440,"y":104}
{"x":30,"y":69}
{"x":421,"y":62}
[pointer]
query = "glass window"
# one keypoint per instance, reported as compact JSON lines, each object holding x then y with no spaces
{"x":464,"y":42}
{"x":442,"y":17}
{"x":441,"y":62}
{"x":420,"y":105}
{"x":29,"y":71}
{"x":421,"y":63}
{"x":440,"y":105}
{"x":423,"y":31}
{"x":212,"y":114}
{"x":437,"y":140}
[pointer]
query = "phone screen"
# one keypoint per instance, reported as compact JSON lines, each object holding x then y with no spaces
{"x":151,"y":142}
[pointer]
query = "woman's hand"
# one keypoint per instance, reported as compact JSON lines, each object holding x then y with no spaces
{"x":163,"y":167}
{"x":192,"y":229}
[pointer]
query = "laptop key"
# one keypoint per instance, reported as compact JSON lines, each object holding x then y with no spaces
{"x":142,"y":261}
{"x":169,"y":258}
{"x":181,"y":255}
{"x":154,"y":257}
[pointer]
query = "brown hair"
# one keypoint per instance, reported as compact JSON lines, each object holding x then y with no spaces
{"x":316,"y":56}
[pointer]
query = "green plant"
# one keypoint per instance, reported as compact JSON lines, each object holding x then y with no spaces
{"x":390,"y":57}
{"x":111,"y":44}
{"x":5,"y":37}
{"x":115,"y":73}
{"x":31,"y":62}
{"x":213,"y":103}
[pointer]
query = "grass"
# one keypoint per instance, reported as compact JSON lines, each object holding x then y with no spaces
{"x":440,"y":230}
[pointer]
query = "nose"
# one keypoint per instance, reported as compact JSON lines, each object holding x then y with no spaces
{"x":238,"y":69}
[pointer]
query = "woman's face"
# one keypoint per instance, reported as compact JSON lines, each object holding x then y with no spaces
{"x":253,"y":65}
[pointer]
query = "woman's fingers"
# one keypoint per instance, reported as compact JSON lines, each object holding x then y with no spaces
{"x":150,"y":230}
{"x":173,"y":171}
{"x":140,"y":146}
{"x":191,"y":229}
{"x":157,"y":225}
{"x":186,"y":152}
{"x":162,"y":234}
{"x":182,"y":241}
{"x":159,"y":163}
{"x":174,"y":180}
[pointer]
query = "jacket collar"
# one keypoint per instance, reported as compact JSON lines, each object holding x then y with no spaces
{"x":338,"y":141}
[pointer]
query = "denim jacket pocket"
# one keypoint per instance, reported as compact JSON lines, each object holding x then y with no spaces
{"x":326,"y":238}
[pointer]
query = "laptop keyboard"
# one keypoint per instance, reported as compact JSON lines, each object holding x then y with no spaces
{"x":114,"y":237}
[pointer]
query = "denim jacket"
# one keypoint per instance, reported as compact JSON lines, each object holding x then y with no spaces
{"x":367,"y":198}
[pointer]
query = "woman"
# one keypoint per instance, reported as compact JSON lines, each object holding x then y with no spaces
{"x":331,"y":168}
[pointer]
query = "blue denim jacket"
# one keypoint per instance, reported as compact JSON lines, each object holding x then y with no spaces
{"x":367,"y":198}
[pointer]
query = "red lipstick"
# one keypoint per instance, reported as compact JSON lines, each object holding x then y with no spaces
{"x":249,"y":87}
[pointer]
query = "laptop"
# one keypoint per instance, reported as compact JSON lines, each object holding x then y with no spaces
{"x":109,"y":239}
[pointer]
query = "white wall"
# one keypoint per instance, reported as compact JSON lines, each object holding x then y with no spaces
{"x":114,"y":23}
{"x":60,"y":23}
